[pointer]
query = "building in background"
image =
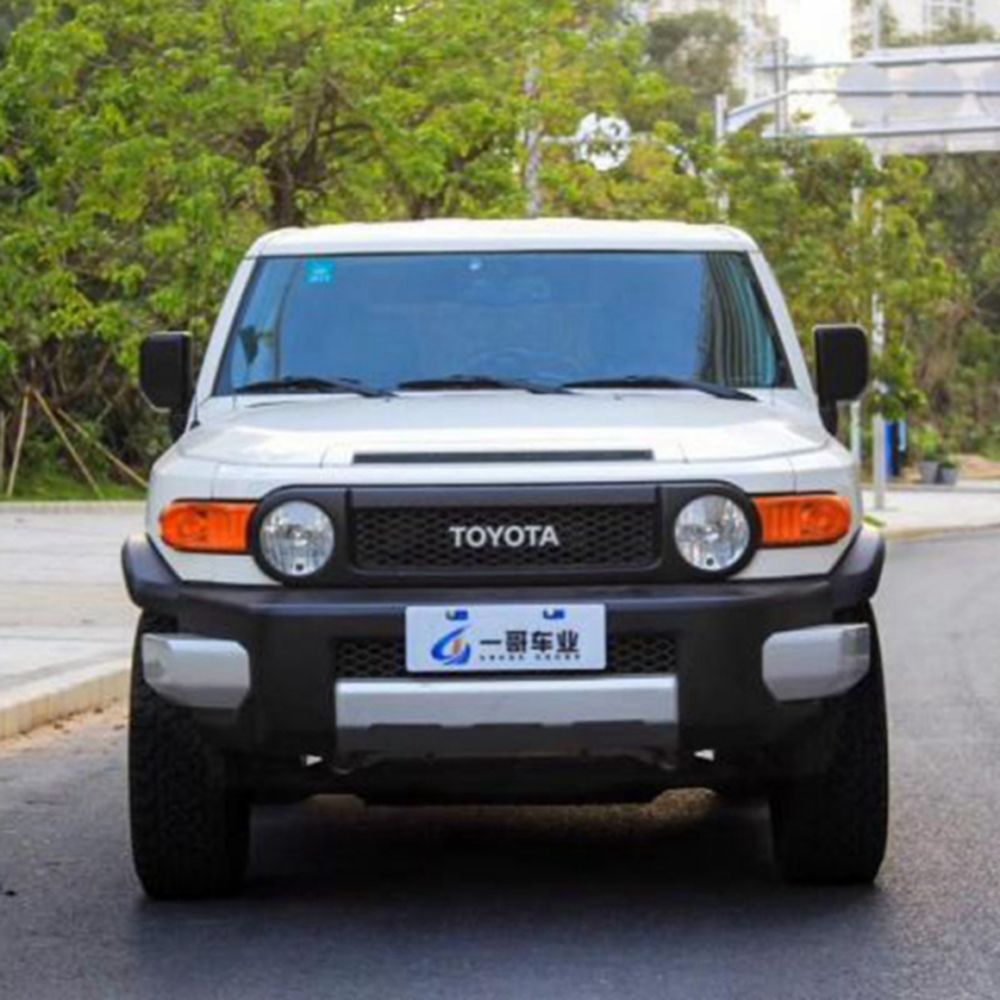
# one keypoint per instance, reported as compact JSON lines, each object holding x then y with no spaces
{"x":921,"y":17}
{"x":734,"y":8}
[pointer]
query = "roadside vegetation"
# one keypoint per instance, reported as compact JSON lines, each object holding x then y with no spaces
{"x":145,"y":143}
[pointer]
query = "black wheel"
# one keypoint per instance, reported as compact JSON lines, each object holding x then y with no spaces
{"x":190,"y":825}
{"x":830,"y":827}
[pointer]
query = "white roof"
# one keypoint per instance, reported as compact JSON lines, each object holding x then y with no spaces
{"x":475,"y":235}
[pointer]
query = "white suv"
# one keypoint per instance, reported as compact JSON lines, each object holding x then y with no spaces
{"x":539,"y":511}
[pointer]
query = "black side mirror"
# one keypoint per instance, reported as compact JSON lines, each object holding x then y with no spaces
{"x":841,"y":368}
{"x":166,"y":376}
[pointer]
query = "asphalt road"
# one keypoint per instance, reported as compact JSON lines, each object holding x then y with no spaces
{"x":676,"y":899}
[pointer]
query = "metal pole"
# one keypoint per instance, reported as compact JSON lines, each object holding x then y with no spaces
{"x":533,"y":139}
{"x":748,"y":44}
{"x":893,"y":58}
{"x":876,"y":25}
{"x":878,"y":348}
{"x":878,"y":421}
{"x":780,"y":73}
{"x":855,"y":407}
{"x":855,"y":410}
{"x":721,"y":131}
{"x":721,"y":109}
{"x":784,"y":118}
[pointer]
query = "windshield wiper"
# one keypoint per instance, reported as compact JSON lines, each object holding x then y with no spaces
{"x":484,"y":382}
{"x":662,"y":382}
{"x":311,"y":383}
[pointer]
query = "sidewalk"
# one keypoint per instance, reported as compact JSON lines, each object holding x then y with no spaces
{"x":921,"y":510}
{"x":66,"y":622}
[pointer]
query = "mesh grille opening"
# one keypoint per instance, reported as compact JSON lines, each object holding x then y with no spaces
{"x":420,"y":538}
{"x":385,"y":658}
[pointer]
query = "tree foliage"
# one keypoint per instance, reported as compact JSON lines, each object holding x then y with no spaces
{"x":956,"y":356}
{"x":145,"y":143}
{"x":699,"y":48}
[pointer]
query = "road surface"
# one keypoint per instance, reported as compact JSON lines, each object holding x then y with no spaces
{"x":678,"y":899}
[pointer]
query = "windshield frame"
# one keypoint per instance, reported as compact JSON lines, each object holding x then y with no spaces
{"x":784,"y":377}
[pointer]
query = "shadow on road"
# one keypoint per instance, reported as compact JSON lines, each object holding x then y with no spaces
{"x":330,"y":847}
{"x":425,"y":896}
{"x":688,"y":846}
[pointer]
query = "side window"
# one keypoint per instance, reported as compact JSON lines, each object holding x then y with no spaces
{"x":744,"y":346}
{"x":253,"y":350}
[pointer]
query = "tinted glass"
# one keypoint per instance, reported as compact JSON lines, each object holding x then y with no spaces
{"x":557,"y":317}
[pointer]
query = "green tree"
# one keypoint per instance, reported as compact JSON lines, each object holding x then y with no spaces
{"x":11,"y":13}
{"x":956,"y":356}
{"x":698,"y":51}
{"x":833,"y":249}
{"x":145,"y":143}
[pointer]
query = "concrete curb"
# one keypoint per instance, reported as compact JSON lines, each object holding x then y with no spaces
{"x":69,"y":506}
{"x":974,"y":487}
{"x":916,"y":534}
{"x":55,"y":698}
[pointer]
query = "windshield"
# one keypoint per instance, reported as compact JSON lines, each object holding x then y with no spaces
{"x":555,"y":317}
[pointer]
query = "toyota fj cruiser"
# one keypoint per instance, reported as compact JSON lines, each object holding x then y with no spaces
{"x":540,"y":511}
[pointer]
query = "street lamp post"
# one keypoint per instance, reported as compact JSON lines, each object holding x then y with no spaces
{"x":533,"y":139}
{"x":603,"y":141}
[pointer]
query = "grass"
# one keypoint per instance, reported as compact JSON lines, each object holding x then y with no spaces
{"x":53,"y":483}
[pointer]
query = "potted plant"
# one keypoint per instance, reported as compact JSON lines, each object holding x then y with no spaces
{"x":927,"y":445}
{"x":947,"y":473}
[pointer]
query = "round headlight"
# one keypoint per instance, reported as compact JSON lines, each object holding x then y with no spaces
{"x":296,"y":538}
{"x":712,"y":533}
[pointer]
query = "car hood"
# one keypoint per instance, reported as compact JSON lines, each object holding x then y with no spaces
{"x":683,"y":427}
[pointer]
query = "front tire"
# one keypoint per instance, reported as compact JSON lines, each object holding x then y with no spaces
{"x":190,"y":823}
{"x":831,"y":827}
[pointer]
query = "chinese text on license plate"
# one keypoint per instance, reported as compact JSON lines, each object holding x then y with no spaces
{"x":505,"y":638}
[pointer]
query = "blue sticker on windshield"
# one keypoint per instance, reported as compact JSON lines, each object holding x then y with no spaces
{"x":319,"y":272}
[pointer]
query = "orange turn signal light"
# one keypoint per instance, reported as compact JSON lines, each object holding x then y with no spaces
{"x":803,"y":519}
{"x":207,"y":526}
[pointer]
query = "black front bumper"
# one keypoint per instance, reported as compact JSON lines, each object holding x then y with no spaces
{"x":292,"y":635}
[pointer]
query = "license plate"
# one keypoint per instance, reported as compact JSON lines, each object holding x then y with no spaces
{"x":505,"y":638}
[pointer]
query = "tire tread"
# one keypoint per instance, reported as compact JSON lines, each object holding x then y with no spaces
{"x":189,"y":824}
{"x":831,"y":828}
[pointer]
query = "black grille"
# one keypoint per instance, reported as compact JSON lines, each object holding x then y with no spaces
{"x":627,"y":654}
{"x":419,"y":538}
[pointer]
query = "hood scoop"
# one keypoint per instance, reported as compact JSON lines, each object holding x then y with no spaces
{"x":496,"y":457}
